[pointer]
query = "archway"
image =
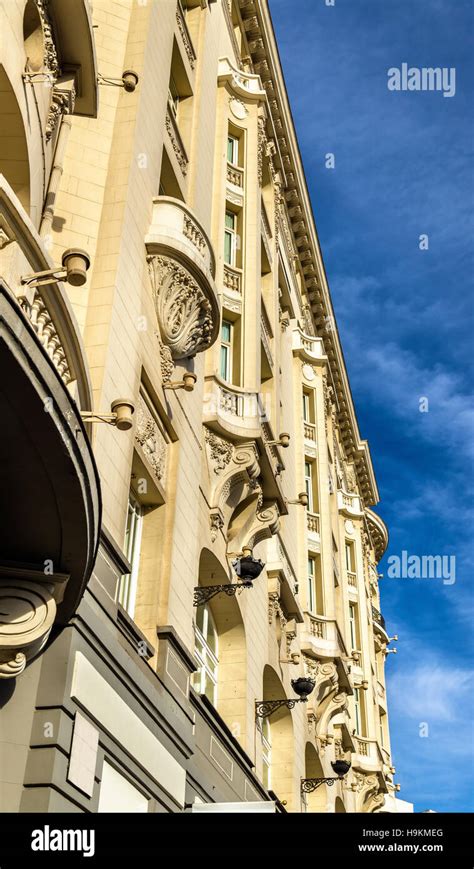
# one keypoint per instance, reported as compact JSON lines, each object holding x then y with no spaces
{"x":220,"y":649}
{"x":317,"y":800}
{"x":278,"y":740}
{"x":14,"y":162}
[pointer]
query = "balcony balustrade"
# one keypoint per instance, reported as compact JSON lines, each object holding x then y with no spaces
{"x":349,"y":504}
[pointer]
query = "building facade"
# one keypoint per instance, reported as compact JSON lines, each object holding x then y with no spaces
{"x":176,"y":399}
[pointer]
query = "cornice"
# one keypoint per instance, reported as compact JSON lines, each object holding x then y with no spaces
{"x":265,"y":58}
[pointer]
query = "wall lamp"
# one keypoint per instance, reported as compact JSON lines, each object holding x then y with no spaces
{"x":128,"y":81}
{"x":301,"y":686}
{"x":187,"y":383}
{"x":391,"y":639}
{"x":302,"y":500}
{"x":75,"y":263}
{"x":283,"y":442}
{"x":247,"y":569}
{"x":340,"y":767}
{"x":390,"y":651}
{"x":31,"y":77}
{"x":122,"y":410}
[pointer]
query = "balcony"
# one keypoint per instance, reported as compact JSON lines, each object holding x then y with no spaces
{"x":307,"y":347}
{"x":50,"y":499}
{"x":368,"y":755}
{"x":378,"y":531}
{"x":312,"y":524}
{"x":232,"y":411}
{"x":233,"y":279}
{"x":320,"y":636}
{"x":351,"y":578}
{"x":235,"y":176}
{"x":182,"y":269}
{"x":246,"y":86}
{"x":278,"y":565}
{"x":72,"y":26}
{"x":184,"y":37}
{"x":309,"y":430}
{"x":176,"y":149}
{"x":379,"y":622}
{"x":349,"y":504}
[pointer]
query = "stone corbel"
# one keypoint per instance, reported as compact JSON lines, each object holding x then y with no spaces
{"x":369,"y":796}
{"x":186,"y":317}
{"x":266,"y":523}
{"x":28,"y":603}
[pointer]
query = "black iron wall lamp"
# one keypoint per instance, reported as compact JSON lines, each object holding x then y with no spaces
{"x":340,"y":767}
{"x":247,"y":569}
{"x":301,"y":686}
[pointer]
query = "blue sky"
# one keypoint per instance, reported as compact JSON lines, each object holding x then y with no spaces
{"x":403,"y":168}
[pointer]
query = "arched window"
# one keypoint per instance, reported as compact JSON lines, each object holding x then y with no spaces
{"x":267,"y":753}
{"x":33,"y":37}
{"x":206,"y":654}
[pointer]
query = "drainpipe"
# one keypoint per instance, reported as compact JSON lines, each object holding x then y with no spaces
{"x":55,"y":177}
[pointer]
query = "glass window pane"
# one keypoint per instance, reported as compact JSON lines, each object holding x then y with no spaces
{"x":226,"y":330}
{"x":230,"y":219}
{"x":228,"y":248}
{"x":224,"y":369}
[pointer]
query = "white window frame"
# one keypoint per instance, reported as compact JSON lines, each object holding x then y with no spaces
{"x":231,"y":233}
{"x":306,"y":407}
{"x":353,"y":625}
{"x":358,"y":711}
{"x":312,"y":595}
{"x":127,"y":588}
{"x":226,"y":345}
{"x":203,"y":654}
{"x":308,"y":482}
{"x":235,"y":149}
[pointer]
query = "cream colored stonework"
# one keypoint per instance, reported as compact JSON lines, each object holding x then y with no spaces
{"x":145,"y":193}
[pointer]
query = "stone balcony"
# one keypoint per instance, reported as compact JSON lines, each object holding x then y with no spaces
{"x":379,"y":532}
{"x":320,"y":636}
{"x":231,"y":411}
{"x":349,"y":504}
{"x":368,"y":755}
{"x":309,"y":348}
{"x":309,"y":431}
{"x":181,"y":264}
{"x":378,"y":622}
{"x":235,"y":176}
{"x":313,"y":530}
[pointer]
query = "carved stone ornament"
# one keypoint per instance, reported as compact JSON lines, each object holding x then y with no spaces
{"x":27,"y":613}
{"x":183,"y":311}
{"x":149,"y":436}
{"x":220,"y":451}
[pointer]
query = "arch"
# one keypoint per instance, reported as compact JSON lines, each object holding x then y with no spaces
{"x":339,"y":805}
{"x":317,"y":800}
{"x":33,"y":37}
{"x":281,"y":739}
{"x":14,"y":161}
{"x":231,"y":693}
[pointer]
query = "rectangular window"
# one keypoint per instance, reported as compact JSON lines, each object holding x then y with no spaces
{"x":230,"y":238}
{"x":382,"y":737}
{"x":127,"y":590}
{"x":266,"y":753}
{"x":226,"y":351}
{"x":358,"y":711}
{"x":233,"y":150}
{"x":308,"y":483}
{"x":354,"y":626}
{"x":173,"y":97}
{"x":306,"y":413}
{"x":311,"y":585}
{"x":349,"y":557}
{"x":206,"y":654}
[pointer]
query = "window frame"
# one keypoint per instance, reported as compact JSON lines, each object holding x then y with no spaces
{"x":205,"y":674}
{"x":266,"y":738}
{"x":128,"y":585}
{"x":228,"y":347}
{"x":230,"y":232}
{"x":308,"y":482}
{"x":235,"y":150}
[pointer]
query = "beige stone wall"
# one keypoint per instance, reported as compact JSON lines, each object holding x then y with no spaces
{"x":111,"y":173}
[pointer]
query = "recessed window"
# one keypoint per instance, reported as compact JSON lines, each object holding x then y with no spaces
{"x":33,"y":37}
{"x":267,"y":753}
{"x":233,"y":150}
{"x":230,"y":238}
{"x":354,"y":626}
{"x":308,"y":483}
{"x":127,"y":590}
{"x":206,"y":654}
{"x":226,"y":351}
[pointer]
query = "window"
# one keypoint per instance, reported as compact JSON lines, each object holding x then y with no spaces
{"x":308,"y":483}
{"x":226,"y":351}
{"x":354,"y":626}
{"x":358,"y":711}
{"x":349,"y":557}
{"x":205,"y":652}
{"x":306,"y":407}
{"x":267,"y":753}
{"x":230,"y":238}
{"x":311,"y":585}
{"x":233,"y":150}
{"x":173,"y":97}
{"x":127,"y":590}
{"x":382,"y":737}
